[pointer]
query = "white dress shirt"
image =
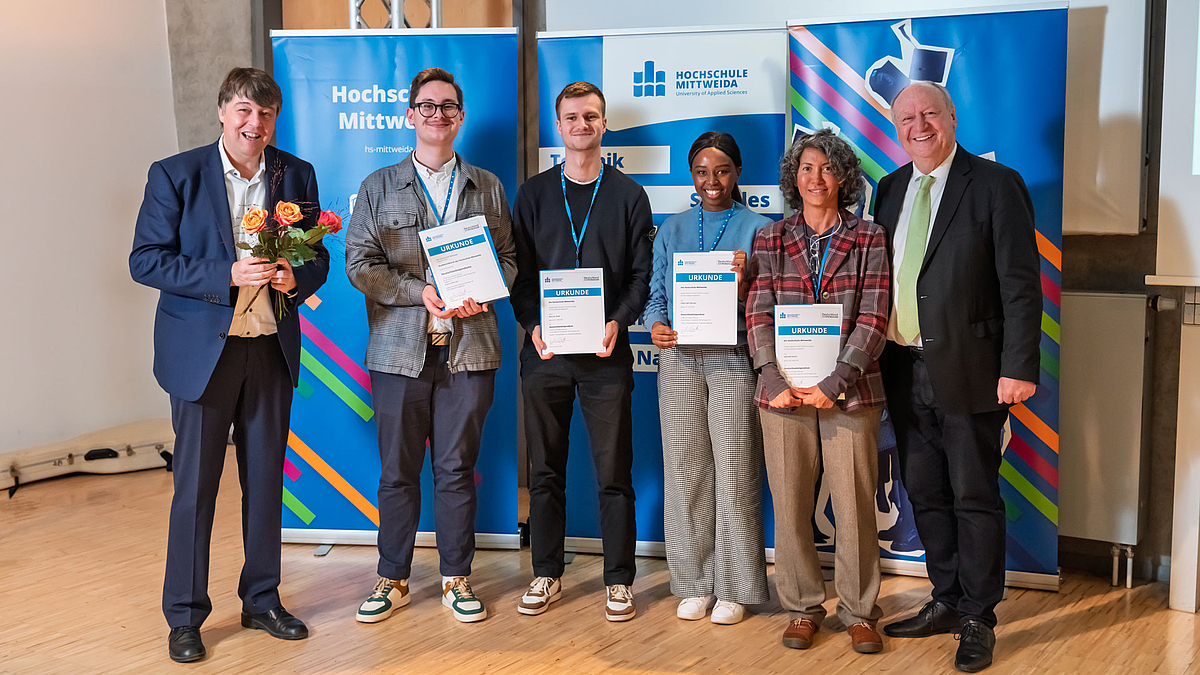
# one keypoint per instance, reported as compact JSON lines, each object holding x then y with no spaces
{"x":437,"y":181}
{"x":901,"y":236}
{"x":245,"y":194}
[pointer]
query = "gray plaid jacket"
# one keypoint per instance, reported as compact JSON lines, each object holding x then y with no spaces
{"x":384,"y":260}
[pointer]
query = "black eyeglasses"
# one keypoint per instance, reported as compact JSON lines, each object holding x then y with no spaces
{"x":449,"y":109}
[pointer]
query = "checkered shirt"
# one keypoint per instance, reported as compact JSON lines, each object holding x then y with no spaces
{"x":857,"y":276}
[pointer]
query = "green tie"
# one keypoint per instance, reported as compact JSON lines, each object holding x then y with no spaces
{"x":907,"y":322}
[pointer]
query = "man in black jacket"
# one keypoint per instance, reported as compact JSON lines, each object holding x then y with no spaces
{"x":581,"y":214}
{"x":963,"y":346}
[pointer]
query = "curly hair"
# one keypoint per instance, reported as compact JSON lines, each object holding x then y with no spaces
{"x":841,"y":157}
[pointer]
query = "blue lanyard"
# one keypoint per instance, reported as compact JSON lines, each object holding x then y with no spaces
{"x":824,"y":255}
{"x":579,"y":237}
{"x":441,"y":217}
{"x":700,"y":226}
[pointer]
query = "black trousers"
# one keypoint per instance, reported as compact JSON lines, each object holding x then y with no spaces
{"x":950,"y":464}
{"x":251,"y":389}
{"x":604,"y":387}
{"x":448,"y":409}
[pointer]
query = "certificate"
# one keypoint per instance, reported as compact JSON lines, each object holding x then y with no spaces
{"x":464,"y":263}
{"x":704,"y":298}
{"x":808,"y":339}
{"x":573,"y":310}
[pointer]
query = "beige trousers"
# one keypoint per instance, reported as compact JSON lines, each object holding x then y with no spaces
{"x":798,"y":445}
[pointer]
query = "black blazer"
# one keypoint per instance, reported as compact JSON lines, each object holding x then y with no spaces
{"x":183,"y":246}
{"x":979,"y":294}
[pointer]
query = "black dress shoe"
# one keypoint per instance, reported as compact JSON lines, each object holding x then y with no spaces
{"x":184,"y":644}
{"x":934,"y":618}
{"x":976,"y":640}
{"x":278,"y":622}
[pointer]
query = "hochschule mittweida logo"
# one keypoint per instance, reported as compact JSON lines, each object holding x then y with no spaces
{"x":652,"y":83}
{"x":649,"y":82}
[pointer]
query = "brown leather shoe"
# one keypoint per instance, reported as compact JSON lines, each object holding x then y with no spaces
{"x":799,"y":634}
{"x":864,"y":638}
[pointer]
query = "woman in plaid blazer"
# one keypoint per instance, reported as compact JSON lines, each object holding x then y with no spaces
{"x":823,"y":254}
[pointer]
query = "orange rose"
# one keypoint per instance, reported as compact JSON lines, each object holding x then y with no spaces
{"x":287,"y":213}
{"x":254,"y":221}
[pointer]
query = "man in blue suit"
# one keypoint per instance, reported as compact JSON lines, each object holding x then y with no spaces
{"x":221,"y":353}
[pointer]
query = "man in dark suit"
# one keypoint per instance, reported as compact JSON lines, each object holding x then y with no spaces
{"x":963,"y":346}
{"x":220,"y":352}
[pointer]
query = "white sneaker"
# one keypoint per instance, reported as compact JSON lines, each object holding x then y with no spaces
{"x":728,"y":613}
{"x":618,"y":605}
{"x":458,"y":596}
{"x":694,"y":609}
{"x":387,"y":597}
{"x":542,"y":591}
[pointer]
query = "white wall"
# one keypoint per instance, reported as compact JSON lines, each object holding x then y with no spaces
{"x":87,"y":108}
{"x":1179,"y":175}
{"x":1105,"y":57}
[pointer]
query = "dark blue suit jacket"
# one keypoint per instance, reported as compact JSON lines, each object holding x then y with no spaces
{"x":183,"y":246}
{"x":979,"y":296}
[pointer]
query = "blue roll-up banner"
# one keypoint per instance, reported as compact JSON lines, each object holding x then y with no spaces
{"x":345,"y":95}
{"x":999,"y":67}
{"x":663,"y":88}
{"x":666,"y":87}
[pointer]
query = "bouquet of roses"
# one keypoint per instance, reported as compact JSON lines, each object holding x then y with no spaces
{"x":278,"y":237}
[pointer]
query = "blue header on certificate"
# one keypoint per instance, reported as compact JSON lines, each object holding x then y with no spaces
{"x":691,"y":277}
{"x":808,"y":330}
{"x":454,"y":245}
{"x":567,"y":292}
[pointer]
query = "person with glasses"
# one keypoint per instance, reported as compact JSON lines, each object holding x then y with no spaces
{"x":712,"y":450}
{"x":432,"y":368}
{"x":823,"y":254}
{"x":581,"y":214}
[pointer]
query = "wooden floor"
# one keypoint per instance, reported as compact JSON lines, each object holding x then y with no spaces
{"x":81,"y":564}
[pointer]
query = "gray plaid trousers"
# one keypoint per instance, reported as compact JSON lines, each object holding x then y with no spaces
{"x":712,"y":470}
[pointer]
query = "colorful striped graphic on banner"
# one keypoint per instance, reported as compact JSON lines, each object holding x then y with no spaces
{"x":333,"y":449}
{"x":334,"y":478}
{"x":333,"y":381}
{"x":834,"y":73}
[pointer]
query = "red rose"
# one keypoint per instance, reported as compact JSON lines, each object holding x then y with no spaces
{"x":331,"y":221}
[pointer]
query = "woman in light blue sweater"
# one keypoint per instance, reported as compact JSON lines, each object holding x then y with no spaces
{"x":712,"y":452}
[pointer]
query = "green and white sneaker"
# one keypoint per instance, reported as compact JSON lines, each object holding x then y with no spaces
{"x":387,"y":597}
{"x":458,"y":596}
